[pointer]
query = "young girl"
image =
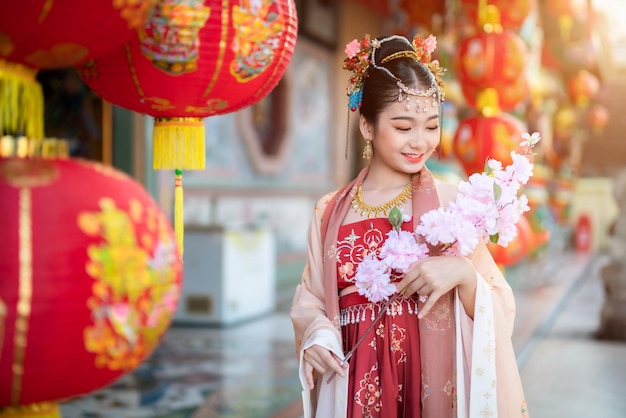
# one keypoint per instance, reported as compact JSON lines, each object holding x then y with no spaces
{"x":444,"y":348}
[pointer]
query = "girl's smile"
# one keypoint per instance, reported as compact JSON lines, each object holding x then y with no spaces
{"x":413,"y":158}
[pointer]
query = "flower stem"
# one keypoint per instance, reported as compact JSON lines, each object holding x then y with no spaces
{"x":383,"y":309}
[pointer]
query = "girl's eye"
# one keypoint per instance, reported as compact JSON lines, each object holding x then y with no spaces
{"x":403,"y":129}
{"x":432,"y":128}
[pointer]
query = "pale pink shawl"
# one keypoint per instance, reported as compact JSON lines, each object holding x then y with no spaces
{"x":315,"y":308}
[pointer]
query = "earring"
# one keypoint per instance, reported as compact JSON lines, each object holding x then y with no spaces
{"x":367,"y":150}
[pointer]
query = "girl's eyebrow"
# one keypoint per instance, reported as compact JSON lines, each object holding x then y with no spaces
{"x":412,"y":118}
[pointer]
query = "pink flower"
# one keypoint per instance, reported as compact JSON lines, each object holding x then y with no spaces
{"x":430,"y":44}
{"x":530,"y":140}
{"x":401,"y":250}
{"x":373,"y":280}
{"x":352,"y":48}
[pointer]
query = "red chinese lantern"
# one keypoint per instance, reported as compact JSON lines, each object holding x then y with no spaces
{"x":490,"y":134}
{"x":193,"y":59}
{"x":517,"y":249}
{"x":494,"y":59}
{"x":419,"y":13}
{"x":90,"y":279}
{"x":509,"y":96}
{"x":598,"y":118}
{"x":513,"y":13}
{"x":38,"y":34}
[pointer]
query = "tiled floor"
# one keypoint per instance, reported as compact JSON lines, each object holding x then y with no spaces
{"x":244,"y":371}
{"x":569,"y":373}
{"x":249,"y":370}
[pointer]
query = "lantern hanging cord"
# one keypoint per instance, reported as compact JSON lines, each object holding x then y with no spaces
{"x":179,"y":224}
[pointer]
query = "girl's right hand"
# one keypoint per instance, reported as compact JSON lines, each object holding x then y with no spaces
{"x":322,"y":360}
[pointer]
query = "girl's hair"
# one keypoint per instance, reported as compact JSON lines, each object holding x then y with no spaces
{"x":380,"y":90}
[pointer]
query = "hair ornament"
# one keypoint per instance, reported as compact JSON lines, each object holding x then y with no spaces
{"x":361,"y":54}
{"x":358,"y":61}
{"x":424,"y":49}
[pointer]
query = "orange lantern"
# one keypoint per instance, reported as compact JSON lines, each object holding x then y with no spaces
{"x":517,"y":249}
{"x":513,"y":13}
{"x":566,"y":11}
{"x":582,"y":86}
{"x":491,"y":134}
{"x":90,"y":279}
{"x":561,"y":196}
{"x":38,"y":34}
{"x":539,"y":216}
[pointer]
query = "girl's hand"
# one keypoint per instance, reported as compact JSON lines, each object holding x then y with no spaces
{"x":433,"y":277}
{"x":322,"y":360}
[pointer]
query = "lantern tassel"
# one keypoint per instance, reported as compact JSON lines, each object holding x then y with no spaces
{"x":34,"y":410}
{"x":178,"y":144}
{"x":488,"y":102}
{"x":179,"y":224}
{"x":21,"y":101}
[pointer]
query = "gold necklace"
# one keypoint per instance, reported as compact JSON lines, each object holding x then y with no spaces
{"x":363,"y":208}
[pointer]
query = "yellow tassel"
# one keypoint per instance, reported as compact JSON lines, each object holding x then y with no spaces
{"x":178,"y":144}
{"x":565,"y":26}
{"x":21,"y":100}
{"x":35,"y":410}
{"x":22,"y":147}
{"x":179,"y":224}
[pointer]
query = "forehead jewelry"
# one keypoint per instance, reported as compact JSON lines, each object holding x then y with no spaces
{"x":426,"y":103}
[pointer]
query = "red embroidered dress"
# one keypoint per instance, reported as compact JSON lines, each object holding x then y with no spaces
{"x":385,"y":372}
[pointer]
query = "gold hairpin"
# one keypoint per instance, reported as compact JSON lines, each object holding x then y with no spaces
{"x":400,"y":54}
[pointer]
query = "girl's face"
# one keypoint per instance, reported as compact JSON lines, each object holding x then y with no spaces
{"x":404,"y":139}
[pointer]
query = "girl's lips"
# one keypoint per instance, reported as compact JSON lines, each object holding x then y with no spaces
{"x":413,"y":158}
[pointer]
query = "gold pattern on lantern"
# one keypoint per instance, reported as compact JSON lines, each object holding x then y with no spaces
{"x":170,"y":37}
{"x":220,"y":57}
{"x":3,"y":317}
{"x":255,"y":36}
{"x":25,"y":292}
{"x":158,"y":103}
{"x":38,"y":410}
{"x":133,"y":11}
{"x":136,"y":210}
{"x":212,"y":106}
{"x":105,"y":170}
{"x":59,"y":55}
{"x":135,"y":291}
{"x":6,"y":45}
{"x":288,"y":39}
{"x":44,"y":11}
{"x":28,"y":173}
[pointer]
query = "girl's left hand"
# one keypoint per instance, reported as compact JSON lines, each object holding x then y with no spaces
{"x":435,"y":276}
